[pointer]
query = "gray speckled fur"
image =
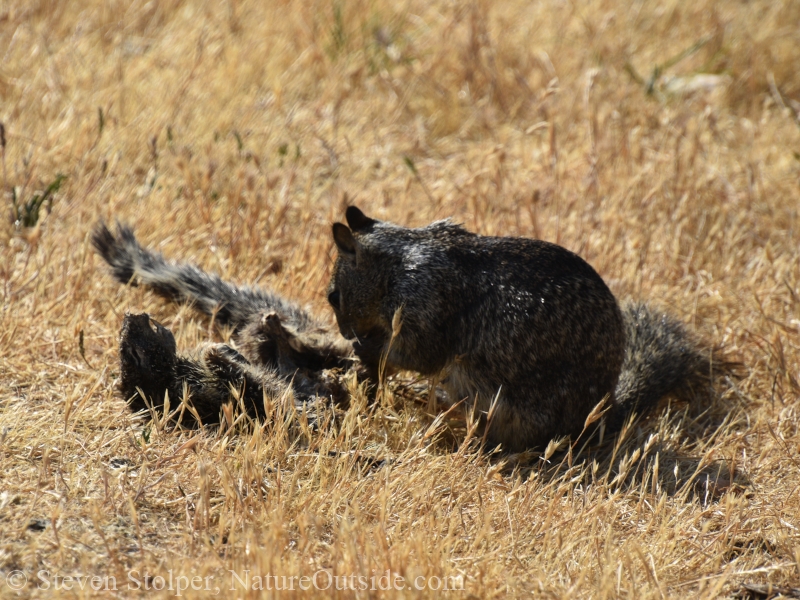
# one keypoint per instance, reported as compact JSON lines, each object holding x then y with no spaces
{"x":519,"y":319}
{"x":229,"y":304}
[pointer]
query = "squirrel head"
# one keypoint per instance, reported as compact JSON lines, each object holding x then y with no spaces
{"x":360,"y":279}
{"x":147,"y":353}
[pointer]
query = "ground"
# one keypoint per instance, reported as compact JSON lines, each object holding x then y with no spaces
{"x":660,"y":140}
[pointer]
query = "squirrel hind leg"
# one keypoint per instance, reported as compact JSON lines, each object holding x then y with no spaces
{"x":270,"y":340}
{"x":231,"y":376}
{"x":228,"y":376}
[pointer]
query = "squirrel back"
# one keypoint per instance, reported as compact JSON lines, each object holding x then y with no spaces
{"x":523,"y":324}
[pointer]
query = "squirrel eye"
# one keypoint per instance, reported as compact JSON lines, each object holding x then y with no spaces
{"x":333,"y":298}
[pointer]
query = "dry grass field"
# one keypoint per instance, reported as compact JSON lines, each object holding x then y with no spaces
{"x":660,"y":139}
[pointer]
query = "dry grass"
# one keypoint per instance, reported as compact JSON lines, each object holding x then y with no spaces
{"x":230,"y":132}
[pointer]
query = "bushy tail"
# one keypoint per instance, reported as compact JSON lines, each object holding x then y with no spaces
{"x":661,"y":358}
{"x":229,"y":304}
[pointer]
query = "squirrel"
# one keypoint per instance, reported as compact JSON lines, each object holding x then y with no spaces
{"x":281,"y":344}
{"x":525,"y":331}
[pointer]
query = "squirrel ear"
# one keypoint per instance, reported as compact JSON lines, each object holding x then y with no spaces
{"x":344,"y":239}
{"x":357,"y":219}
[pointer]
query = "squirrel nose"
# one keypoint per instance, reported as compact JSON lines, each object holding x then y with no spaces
{"x":333,"y":298}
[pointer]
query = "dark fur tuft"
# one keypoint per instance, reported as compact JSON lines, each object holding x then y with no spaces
{"x":112,"y":250}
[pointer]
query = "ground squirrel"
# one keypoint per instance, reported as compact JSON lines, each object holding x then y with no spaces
{"x":521,"y":323}
{"x":278,"y":343}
